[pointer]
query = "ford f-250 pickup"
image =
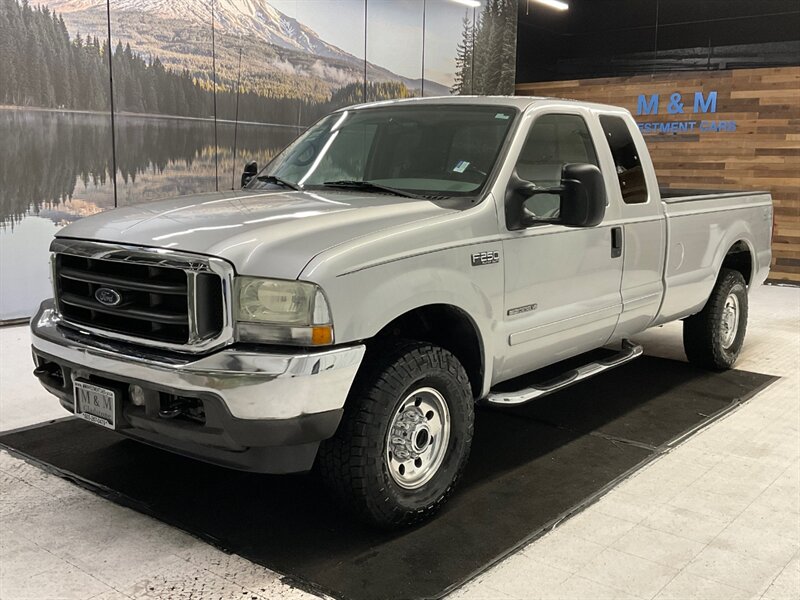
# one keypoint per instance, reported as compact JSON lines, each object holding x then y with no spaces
{"x":348,"y":307}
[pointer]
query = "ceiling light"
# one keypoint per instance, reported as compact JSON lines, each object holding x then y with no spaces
{"x":557,"y":4}
{"x":470,"y":3}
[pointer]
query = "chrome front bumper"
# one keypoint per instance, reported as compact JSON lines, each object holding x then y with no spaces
{"x":252,"y":384}
{"x":253,"y":397}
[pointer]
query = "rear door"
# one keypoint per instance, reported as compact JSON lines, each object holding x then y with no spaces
{"x":641,"y":225}
{"x":562,"y":290}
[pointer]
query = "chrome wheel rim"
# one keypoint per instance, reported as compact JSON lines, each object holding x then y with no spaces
{"x":730,"y":320}
{"x":417,"y":440}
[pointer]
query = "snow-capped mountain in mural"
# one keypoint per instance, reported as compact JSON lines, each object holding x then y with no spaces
{"x":242,"y":17}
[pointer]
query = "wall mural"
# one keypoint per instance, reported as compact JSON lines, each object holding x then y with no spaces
{"x":199,"y":88}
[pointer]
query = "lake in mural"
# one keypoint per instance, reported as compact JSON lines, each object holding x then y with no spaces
{"x":55,"y":167}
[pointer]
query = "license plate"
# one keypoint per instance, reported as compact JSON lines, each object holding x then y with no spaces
{"x":95,"y":404}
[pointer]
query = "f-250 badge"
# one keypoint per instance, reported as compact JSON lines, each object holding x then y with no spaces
{"x":489,"y":257}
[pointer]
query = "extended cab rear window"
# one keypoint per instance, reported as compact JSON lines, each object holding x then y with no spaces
{"x":630,"y":174}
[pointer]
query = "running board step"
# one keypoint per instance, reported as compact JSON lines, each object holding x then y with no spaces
{"x":514,"y":398}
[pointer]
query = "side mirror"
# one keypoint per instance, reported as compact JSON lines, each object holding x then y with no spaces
{"x":582,"y":198}
{"x":250,"y":171}
{"x":583,"y":201}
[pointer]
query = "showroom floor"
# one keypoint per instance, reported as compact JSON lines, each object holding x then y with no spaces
{"x":716,"y":518}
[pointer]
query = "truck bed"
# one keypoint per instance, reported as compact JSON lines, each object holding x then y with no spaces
{"x":702,"y":227}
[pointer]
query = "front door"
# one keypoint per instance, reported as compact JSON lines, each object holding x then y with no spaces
{"x":562,"y":284}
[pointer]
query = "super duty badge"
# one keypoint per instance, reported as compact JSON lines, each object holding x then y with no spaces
{"x":489,"y":257}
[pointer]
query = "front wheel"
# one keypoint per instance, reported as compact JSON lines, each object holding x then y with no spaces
{"x":405,"y":435}
{"x":713,"y":337}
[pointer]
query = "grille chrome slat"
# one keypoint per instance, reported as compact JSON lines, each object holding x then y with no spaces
{"x":122,"y":311}
{"x":167,"y":299}
{"x":110,"y":280}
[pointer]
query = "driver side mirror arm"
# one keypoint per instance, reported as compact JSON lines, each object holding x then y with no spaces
{"x":517,"y":192}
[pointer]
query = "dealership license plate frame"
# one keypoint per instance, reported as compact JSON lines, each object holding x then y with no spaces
{"x":99,"y":399}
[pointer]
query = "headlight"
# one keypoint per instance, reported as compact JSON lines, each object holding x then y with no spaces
{"x":283,"y":312}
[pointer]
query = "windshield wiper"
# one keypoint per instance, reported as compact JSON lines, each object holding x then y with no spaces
{"x":279,"y":181}
{"x":370,"y":186}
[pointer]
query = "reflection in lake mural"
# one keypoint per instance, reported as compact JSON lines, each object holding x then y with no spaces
{"x":55,"y":167}
{"x":46,"y":157}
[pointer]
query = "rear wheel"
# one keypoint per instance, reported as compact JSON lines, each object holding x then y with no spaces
{"x":405,"y":435}
{"x":713,"y":337}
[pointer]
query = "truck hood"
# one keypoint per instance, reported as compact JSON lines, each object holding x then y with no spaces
{"x":272,"y":233}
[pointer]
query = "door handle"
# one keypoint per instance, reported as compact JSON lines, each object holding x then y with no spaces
{"x":616,"y":242}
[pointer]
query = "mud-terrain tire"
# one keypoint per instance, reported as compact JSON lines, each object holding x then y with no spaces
{"x":713,"y":337}
{"x":405,"y":435}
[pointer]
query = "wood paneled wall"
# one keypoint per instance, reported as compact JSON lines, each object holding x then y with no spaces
{"x":763,"y":153}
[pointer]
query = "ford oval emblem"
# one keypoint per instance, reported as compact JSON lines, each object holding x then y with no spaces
{"x":107,"y":296}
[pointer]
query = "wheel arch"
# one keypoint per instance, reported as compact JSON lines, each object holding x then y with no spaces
{"x":447,"y":326}
{"x":740,"y":257}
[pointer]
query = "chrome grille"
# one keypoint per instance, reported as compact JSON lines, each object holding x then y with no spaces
{"x":150,"y":296}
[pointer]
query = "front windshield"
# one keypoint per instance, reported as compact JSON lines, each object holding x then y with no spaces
{"x":428,"y":150}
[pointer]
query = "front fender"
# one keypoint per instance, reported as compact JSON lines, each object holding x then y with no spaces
{"x":366,"y":301}
{"x":371,"y":281}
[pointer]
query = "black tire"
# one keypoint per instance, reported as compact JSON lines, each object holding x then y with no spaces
{"x":354,"y":464}
{"x":704,"y":334}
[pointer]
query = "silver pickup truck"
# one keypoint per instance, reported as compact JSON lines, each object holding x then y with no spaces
{"x":349,"y":306}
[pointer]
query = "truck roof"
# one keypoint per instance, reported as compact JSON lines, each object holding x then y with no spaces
{"x":520,"y":102}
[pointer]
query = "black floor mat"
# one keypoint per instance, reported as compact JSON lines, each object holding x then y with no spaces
{"x":529,"y":467}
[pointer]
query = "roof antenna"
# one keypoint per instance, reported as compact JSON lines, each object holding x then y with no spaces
{"x":236,"y":120}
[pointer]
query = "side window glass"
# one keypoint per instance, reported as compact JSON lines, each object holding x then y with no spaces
{"x":553,"y":141}
{"x":626,"y":160}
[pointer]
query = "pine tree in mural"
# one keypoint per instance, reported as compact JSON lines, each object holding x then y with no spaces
{"x":508,"y":43}
{"x":463,"y":79}
{"x":492,"y":49}
{"x":487,"y":66}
